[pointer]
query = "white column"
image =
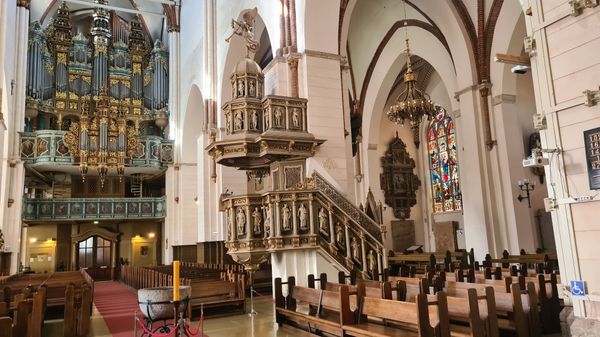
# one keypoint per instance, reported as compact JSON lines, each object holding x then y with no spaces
{"x":11,"y":226}
{"x":475,"y":181}
{"x":175,"y":92}
{"x":172,"y":226}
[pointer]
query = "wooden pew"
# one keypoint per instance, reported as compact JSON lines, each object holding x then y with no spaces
{"x":410,"y":289}
{"x":218,"y":293}
{"x":56,"y":285}
{"x":347,"y":279}
{"x":322,"y":281}
{"x":376,"y":289}
{"x":547,"y":294}
{"x":77,"y":311}
{"x":421,"y":261}
{"x":431,"y":261}
{"x":313,"y":310}
{"x":478,"y":311}
{"x":6,"y":326}
{"x":22,"y":316}
{"x":542,"y":263}
{"x":402,"y":318}
{"x":217,"y":287}
{"x":517,"y":310}
{"x":546,"y":291}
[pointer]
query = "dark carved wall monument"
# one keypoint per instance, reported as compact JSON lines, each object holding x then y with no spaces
{"x":398,"y":181}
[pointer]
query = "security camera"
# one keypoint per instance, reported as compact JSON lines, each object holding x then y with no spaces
{"x":536,"y":159}
{"x":520,"y":69}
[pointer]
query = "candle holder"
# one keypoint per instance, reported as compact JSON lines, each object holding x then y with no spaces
{"x":525,"y":186}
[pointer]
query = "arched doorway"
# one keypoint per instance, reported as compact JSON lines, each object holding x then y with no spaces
{"x":95,"y":251}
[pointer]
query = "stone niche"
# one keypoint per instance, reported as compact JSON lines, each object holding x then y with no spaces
{"x":445,"y":236}
{"x":403,"y":234}
{"x":287,"y":174}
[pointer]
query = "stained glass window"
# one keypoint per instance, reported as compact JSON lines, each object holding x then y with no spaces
{"x":443,"y":163}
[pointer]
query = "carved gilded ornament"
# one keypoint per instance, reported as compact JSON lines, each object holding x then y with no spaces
{"x":24,"y":3}
{"x":137,"y":68}
{"x":100,"y":49}
{"x":71,"y":138}
{"x":61,"y":58}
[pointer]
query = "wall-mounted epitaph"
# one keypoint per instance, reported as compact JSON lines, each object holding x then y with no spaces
{"x":592,"y":154}
{"x":398,"y":181}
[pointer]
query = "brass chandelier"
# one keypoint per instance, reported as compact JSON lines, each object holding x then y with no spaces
{"x":412,"y":104}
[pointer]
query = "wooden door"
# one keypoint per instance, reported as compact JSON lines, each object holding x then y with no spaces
{"x":94,"y":254}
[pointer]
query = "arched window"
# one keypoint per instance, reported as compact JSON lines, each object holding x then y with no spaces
{"x":443,"y":163}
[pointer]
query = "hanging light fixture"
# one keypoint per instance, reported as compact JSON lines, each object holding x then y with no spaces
{"x":412,"y":104}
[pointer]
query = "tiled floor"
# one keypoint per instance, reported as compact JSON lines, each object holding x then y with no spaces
{"x":259,"y":325}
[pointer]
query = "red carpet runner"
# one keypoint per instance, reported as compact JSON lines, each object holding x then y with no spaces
{"x":117,"y":305}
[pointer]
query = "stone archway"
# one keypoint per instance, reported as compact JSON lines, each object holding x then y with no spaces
{"x":104,"y":234}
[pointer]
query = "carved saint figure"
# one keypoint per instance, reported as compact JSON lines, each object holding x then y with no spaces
{"x":295,"y":118}
{"x":371,"y":262}
{"x":355,"y":249}
{"x":302,"y":215}
{"x":239,"y":121}
{"x":267,"y":117}
{"x":254,"y":119}
{"x":339,"y":233}
{"x":241,"y":221}
{"x":278,"y":115}
{"x":323,"y":220}
{"x":228,"y":123}
{"x":230,"y":227}
{"x":251,"y":89}
{"x":286,"y":218}
{"x":257,"y":217}
{"x":267,"y":210}
{"x":245,"y":29}
{"x":240,"y":88}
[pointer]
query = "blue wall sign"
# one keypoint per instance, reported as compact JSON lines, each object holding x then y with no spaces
{"x":578,"y":288}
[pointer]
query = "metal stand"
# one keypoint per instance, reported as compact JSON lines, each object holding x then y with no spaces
{"x":252,"y":311}
{"x":178,"y":319}
{"x":201,"y":320}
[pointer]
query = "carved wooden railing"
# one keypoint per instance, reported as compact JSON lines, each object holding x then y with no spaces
{"x":44,"y":147}
{"x":93,"y":208}
{"x":312,"y":215}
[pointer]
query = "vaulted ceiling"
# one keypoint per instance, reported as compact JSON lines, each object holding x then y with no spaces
{"x":151,"y":12}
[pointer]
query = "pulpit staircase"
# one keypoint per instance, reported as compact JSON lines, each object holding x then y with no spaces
{"x":312,"y":215}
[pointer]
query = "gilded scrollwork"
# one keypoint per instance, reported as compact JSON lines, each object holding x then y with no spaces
{"x":71,"y":139}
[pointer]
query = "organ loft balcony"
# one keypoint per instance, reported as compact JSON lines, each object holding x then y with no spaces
{"x":56,"y":196}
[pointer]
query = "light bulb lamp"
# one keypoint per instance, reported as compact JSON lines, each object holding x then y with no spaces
{"x":525,"y":186}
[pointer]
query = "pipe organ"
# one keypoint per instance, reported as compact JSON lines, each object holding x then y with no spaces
{"x":106,"y":90}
